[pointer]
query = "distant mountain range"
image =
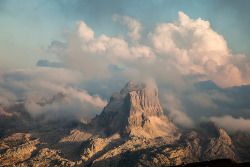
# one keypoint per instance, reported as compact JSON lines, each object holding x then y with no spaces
{"x":131,"y":131}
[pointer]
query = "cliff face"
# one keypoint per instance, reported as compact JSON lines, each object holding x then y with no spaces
{"x":131,"y":131}
{"x":146,"y":116}
{"x":136,"y":111}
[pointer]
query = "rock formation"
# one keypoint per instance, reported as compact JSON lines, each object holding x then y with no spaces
{"x":131,"y":131}
{"x":135,"y":111}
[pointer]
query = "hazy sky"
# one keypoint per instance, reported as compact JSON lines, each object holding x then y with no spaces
{"x":196,"y":51}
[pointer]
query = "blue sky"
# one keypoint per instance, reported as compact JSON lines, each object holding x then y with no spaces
{"x":196,"y":51}
{"x":28,"y":26}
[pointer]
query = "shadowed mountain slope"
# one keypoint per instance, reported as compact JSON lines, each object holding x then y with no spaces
{"x":130,"y":131}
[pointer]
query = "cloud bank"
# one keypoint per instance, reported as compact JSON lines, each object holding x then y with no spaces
{"x":189,"y":47}
{"x":36,"y":85}
{"x":182,"y":57}
{"x":176,"y":112}
{"x":232,"y":124}
{"x":194,"y":48}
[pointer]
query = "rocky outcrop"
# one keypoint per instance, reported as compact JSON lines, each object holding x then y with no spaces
{"x":131,"y":131}
{"x":135,"y":111}
{"x":145,"y":115}
{"x":16,"y":148}
{"x":207,"y":142}
{"x":241,"y":141}
{"x":216,"y":141}
{"x":48,"y":157}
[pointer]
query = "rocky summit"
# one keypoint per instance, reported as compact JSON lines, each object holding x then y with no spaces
{"x":135,"y":111}
{"x":130,"y":131}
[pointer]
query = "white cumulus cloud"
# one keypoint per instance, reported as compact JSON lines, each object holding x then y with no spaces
{"x":193,"y":47}
{"x":114,"y":49}
{"x":132,"y":25}
{"x":232,"y":124}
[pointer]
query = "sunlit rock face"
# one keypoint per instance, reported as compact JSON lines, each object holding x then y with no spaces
{"x":136,"y":111}
{"x":146,"y":116}
{"x":130,"y":131}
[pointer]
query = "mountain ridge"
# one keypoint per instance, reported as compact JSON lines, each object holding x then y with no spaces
{"x":131,"y":130}
{"x":135,"y":111}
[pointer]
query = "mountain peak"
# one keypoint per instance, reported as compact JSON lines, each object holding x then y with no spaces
{"x":136,"y":111}
{"x":210,"y":129}
{"x":132,"y":86}
{"x":144,"y":100}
